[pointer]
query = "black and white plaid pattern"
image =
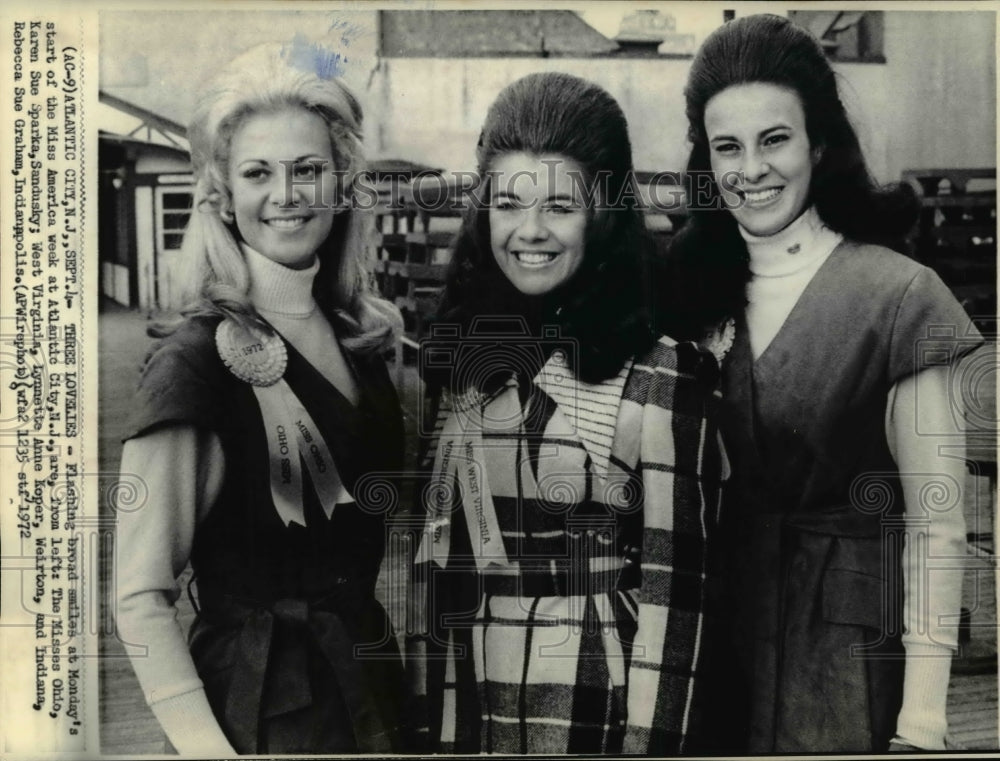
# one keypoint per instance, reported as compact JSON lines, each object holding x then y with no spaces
{"x":575,"y":647}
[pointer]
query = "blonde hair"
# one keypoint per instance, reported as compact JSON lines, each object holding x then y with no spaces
{"x":267,"y":79}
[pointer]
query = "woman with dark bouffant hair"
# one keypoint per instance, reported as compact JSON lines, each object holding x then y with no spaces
{"x":842,"y":190}
{"x":844,"y":639}
{"x":591,"y":131}
{"x":576,"y":465}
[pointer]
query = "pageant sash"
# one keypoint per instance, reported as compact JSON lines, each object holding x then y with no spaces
{"x":291,"y":434}
{"x":460,"y":464}
{"x":260,"y":358}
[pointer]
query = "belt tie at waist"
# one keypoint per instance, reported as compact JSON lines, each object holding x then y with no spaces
{"x":290,"y":681}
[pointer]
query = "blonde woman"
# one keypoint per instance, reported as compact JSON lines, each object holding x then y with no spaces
{"x":258,"y":412}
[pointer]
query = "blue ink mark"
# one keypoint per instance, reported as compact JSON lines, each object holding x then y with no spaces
{"x":314,"y":58}
{"x":348,"y":31}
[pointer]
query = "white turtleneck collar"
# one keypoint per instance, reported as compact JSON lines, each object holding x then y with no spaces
{"x":782,"y":265}
{"x":277,"y":289}
{"x":284,"y":297}
{"x":795,"y":248}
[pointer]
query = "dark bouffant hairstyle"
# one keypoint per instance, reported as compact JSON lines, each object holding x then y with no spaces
{"x":708,"y":263}
{"x":604,"y":307}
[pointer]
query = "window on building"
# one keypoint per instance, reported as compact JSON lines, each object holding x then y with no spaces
{"x":175,"y":211}
{"x":850,"y":36}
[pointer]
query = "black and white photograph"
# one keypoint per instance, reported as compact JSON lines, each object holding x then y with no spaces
{"x":567,"y":378}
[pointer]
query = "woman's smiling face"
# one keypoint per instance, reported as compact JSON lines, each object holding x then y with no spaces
{"x":538,"y":220}
{"x":281,"y":178}
{"x":760,"y":154}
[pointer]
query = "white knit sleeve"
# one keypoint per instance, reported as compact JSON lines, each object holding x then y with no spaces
{"x":179,"y":469}
{"x":925,"y":441}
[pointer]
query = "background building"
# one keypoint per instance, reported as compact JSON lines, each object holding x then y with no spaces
{"x":921,"y":86}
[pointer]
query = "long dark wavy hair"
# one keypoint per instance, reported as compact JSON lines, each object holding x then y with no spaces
{"x":707,"y":267}
{"x":604,"y":308}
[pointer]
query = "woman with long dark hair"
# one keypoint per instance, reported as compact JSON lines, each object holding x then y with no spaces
{"x":576,"y":464}
{"x":837,"y":398}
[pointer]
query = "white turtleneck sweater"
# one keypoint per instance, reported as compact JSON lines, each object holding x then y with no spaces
{"x":284,"y":298}
{"x":782,"y":266}
{"x":183,"y":468}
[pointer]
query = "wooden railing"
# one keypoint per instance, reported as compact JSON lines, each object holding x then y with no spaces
{"x":956,"y":235}
{"x":418,"y":219}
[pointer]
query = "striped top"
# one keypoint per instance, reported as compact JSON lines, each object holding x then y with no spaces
{"x":592,"y":409}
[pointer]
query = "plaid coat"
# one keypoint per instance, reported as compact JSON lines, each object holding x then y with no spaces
{"x":591,"y":636}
